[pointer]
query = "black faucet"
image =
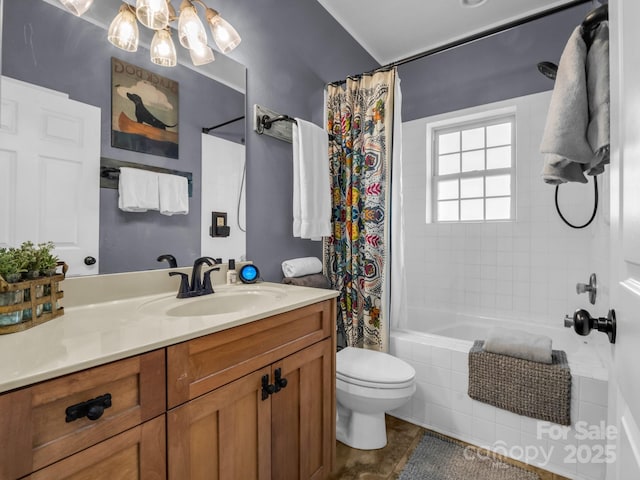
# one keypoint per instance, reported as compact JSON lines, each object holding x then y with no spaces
{"x":171,"y":260}
{"x":197,"y":287}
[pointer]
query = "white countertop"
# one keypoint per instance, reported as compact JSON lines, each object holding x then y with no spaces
{"x":97,"y":333}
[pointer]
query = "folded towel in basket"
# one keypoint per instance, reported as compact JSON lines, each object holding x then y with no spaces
{"x":537,"y":390}
{"x":519,"y":344}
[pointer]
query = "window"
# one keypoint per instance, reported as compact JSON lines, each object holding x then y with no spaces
{"x":474,"y":170}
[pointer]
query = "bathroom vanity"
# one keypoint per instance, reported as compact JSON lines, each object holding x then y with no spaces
{"x":234,"y":395}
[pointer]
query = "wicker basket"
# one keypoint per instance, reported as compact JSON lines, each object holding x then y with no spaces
{"x":35,"y":301}
{"x":537,"y":390}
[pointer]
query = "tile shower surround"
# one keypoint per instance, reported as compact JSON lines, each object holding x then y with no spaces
{"x":524,"y":270}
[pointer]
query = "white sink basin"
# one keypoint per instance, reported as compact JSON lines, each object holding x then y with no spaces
{"x":226,"y":300}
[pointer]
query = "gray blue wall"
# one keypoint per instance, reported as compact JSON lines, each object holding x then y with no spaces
{"x":46,"y":46}
{"x":494,"y":68}
{"x":290,"y":48}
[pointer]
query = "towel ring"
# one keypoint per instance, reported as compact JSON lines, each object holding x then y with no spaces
{"x":595,"y":206}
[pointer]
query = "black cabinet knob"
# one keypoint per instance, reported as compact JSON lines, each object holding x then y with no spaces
{"x":95,"y":412}
{"x":89,"y":260}
{"x":267,"y":388}
{"x":279,"y":381}
{"x":92,"y":409}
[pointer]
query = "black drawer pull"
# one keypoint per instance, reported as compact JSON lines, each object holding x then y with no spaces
{"x":92,"y":409}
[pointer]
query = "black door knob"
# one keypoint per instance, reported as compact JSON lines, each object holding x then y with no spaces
{"x":89,"y":260}
{"x":583,"y":323}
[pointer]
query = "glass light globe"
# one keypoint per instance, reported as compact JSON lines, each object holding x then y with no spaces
{"x":77,"y":7}
{"x":191,"y":31}
{"x":163,"y":51}
{"x":123,"y":31}
{"x":201,"y":54}
{"x":224,"y":34}
{"x":153,"y":14}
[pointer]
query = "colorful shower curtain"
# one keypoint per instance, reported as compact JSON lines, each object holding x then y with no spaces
{"x":360,"y":117}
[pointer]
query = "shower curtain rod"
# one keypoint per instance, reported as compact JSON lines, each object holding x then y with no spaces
{"x":470,"y":38}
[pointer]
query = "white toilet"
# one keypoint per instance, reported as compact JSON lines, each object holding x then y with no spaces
{"x":369,"y":383}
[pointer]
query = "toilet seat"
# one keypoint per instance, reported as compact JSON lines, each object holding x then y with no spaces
{"x":373,"y":369}
{"x":368,"y":384}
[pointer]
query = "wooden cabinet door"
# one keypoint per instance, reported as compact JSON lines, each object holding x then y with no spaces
{"x":303,"y":415}
{"x":222,"y":435}
{"x":138,"y":453}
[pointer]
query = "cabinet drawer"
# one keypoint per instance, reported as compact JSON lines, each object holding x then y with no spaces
{"x":34,"y":432}
{"x":203,"y":364}
{"x":138,"y":453}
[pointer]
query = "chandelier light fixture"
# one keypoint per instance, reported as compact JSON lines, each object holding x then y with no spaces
{"x":163,"y":51}
{"x":158,"y":15}
{"x":77,"y":7}
{"x":123,"y":32}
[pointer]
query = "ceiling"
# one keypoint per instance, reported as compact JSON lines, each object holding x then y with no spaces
{"x":391,"y":31}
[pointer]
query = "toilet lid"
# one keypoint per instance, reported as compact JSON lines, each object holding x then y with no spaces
{"x":372,"y":367}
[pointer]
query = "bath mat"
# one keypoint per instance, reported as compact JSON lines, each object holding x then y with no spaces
{"x":436,"y":458}
{"x":537,"y":390}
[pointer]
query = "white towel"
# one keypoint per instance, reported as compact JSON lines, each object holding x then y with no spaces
{"x":174,"y":194}
{"x":517,"y":343}
{"x":576,"y":135}
{"x":138,"y":190}
{"x":311,"y":181}
{"x":599,"y":99}
{"x":565,"y":134}
{"x":298,"y":267}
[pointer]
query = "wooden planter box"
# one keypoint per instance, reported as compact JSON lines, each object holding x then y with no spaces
{"x":37,"y":294}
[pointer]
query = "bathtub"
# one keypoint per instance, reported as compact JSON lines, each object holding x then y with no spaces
{"x":436,"y":345}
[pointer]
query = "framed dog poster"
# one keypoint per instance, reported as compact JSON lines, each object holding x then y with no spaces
{"x":144,"y":110}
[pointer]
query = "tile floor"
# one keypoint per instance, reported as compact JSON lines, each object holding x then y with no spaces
{"x":388,"y":462}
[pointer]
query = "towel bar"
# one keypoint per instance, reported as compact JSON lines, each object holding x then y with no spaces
{"x":273,"y":124}
{"x":110,"y":172}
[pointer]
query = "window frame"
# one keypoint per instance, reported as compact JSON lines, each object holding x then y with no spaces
{"x":460,"y":124}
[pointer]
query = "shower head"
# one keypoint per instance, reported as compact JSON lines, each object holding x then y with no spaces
{"x":548,"y":69}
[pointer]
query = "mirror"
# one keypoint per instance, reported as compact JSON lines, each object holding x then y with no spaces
{"x":45,"y":45}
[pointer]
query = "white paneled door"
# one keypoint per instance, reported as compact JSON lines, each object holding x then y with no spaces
{"x":49,"y":172}
{"x":625,"y":235}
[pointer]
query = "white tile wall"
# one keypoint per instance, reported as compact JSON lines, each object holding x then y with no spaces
{"x":441,"y":403}
{"x":522,"y":270}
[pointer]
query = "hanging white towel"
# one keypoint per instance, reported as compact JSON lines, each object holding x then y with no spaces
{"x":576,"y":135}
{"x":565,"y":135}
{"x":138,"y":190}
{"x":174,"y":194}
{"x":311,"y":181}
{"x":599,"y":99}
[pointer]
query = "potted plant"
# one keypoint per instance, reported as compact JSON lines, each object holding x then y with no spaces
{"x":46,"y":261}
{"x":28,"y":260}
{"x":10,"y":270}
